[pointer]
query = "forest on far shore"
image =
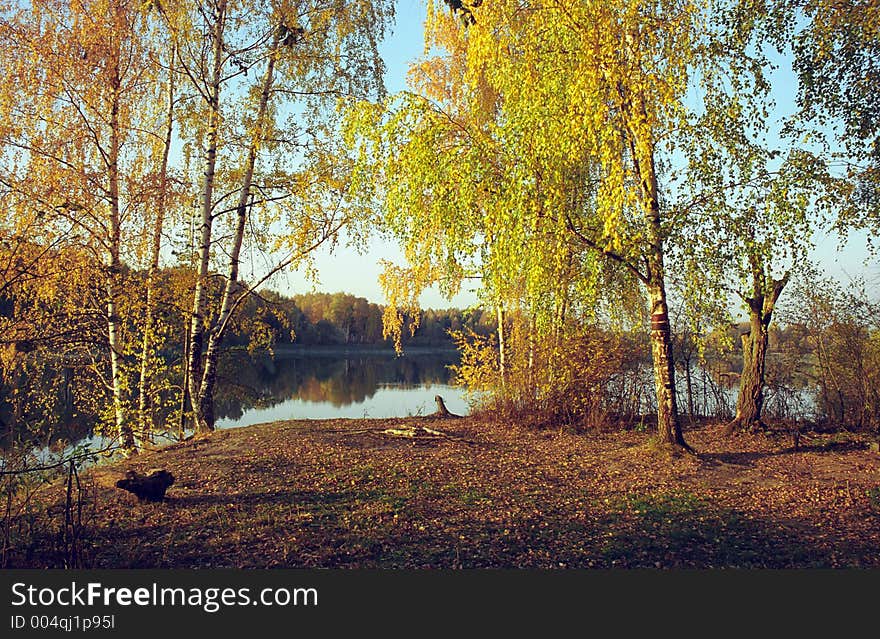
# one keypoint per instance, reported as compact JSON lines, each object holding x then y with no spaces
{"x":334,"y":319}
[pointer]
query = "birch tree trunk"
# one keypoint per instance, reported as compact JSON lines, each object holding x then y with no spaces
{"x":200,"y":294}
{"x":689,"y":383}
{"x":668,"y":424}
{"x":502,"y":347}
{"x":205,"y":397}
{"x":114,"y":272}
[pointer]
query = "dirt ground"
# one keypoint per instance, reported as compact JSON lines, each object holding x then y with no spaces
{"x":344,"y":493}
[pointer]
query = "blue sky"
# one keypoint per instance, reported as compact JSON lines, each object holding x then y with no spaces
{"x":350,"y":271}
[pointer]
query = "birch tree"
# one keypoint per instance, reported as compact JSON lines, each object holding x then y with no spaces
{"x":75,"y":84}
{"x":589,"y":94}
{"x":267,"y":80}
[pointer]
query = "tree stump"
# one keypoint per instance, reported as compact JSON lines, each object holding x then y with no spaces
{"x":442,"y":411}
{"x":149,"y":487}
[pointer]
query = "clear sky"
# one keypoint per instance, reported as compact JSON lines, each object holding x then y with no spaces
{"x":347,"y":270}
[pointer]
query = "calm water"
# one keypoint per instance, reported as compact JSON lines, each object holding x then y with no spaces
{"x":312,"y":384}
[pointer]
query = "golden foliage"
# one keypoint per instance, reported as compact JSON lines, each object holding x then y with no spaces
{"x":586,"y":378}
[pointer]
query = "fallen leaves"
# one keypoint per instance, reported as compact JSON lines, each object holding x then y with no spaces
{"x":333,"y":494}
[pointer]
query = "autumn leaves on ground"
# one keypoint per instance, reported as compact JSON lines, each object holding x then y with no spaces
{"x":344,"y":494}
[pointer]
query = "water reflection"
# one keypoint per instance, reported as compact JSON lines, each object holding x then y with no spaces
{"x":310,"y":384}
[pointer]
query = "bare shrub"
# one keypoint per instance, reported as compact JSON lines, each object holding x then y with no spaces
{"x":841,"y":358}
{"x":589,"y":378}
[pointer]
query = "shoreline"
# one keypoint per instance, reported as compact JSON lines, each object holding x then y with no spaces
{"x":340,"y":350}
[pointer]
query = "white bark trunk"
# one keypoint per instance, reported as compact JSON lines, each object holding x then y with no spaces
{"x":114,"y":273}
{"x":200,"y":294}
{"x":215,"y":337}
{"x":502,"y":348}
{"x":668,"y":425}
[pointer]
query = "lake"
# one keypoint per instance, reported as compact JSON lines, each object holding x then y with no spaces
{"x":316,"y":383}
{"x":311,"y":383}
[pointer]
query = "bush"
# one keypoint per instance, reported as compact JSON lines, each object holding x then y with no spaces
{"x":842,"y":329}
{"x":587,"y":378}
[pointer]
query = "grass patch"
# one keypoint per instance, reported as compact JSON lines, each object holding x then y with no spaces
{"x":681,"y":529}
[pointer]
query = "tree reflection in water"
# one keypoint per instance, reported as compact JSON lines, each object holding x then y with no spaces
{"x":331,"y":383}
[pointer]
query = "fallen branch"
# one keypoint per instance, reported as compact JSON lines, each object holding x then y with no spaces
{"x":423,"y":433}
{"x":352,"y":431}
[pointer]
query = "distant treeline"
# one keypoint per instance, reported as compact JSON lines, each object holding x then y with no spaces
{"x":332,"y":319}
